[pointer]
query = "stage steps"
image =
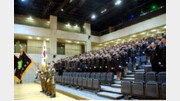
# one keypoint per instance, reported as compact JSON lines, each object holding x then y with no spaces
{"x":111,"y":89}
{"x":110,"y":95}
{"x":116,"y":85}
{"x":139,"y":70}
{"x":114,"y":90}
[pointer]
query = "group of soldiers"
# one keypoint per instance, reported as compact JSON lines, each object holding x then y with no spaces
{"x":116,"y":58}
{"x":47,"y":81}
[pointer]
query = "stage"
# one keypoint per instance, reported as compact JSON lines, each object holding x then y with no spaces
{"x":31,"y":91}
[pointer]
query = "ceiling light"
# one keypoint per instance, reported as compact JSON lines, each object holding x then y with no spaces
{"x":153,"y":30}
{"x":104,"y":10}
{"x":143,"y":33}
{"x":62,"y":10}
{"x":30,"y":19}
{"x":38,"y":38}
{"x":22,"y":0}
{"x":106,"y":43}
{"x":118,"y":39}
{"x":68,"y":41}
{"x":118,"y":2}
{"x":47,"y":39}
{"x":68,"y":25}
{"x":93,"y":16}
{"x":29,"y":37}
{"x":76,"y":26}
{"x":133,"y":35}
{"x":164,"y":27}
{"x":100,"y":44}
{"x":77,"y":42}
{"x":48,"y":22}
{"x":70,"y":1}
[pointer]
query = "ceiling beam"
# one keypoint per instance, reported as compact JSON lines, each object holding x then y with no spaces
{"x":50,"y":5}
{"x":61,"y":5}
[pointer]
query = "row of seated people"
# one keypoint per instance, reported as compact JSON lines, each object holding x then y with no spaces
{"x":117,"y":58}
{"x":85,"y":80}
{"x":148,"y":85}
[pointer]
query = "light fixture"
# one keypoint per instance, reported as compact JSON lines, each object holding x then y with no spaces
{"x":38,"y":38}
{"x":62,"y":10}
{"x":118,"y":39}
{"x":29,"y":37}
{"x":68,"y":25}
{"x":70,"y":1}
{"x":47,"y":39}
{"x":68,"y":41}
{"x":106,"y":43}
{"x":93,"y":16}
{"x":164,"y":27}
{"x":133,"y":35}
{"x":104,"y":10}
{"x":153,"y":30}
{"x":76,"y":26}
{"x":22,"y":0}
{"x":100,"y":44}
{"x":143,"y":33}
{"x":48,"y":22}
{"x":118,"y":2}
{"x":77,"y":42}
{"x":30,"y":19}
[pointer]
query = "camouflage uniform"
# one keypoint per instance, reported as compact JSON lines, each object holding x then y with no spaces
{"x":48,"y":82}
{"x":52,"y":83}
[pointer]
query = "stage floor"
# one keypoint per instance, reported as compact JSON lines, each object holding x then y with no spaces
{"x":31,"y":91}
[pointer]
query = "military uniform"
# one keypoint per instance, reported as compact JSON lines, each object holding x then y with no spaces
{"x":51,"y":82}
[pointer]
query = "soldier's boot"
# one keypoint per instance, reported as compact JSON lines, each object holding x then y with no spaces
{"x":53,"y":94}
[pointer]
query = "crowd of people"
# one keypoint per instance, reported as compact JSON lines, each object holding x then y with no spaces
{"x":116,"y":58}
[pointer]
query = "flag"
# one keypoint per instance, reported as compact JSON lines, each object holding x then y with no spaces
{"x":22,"y":66}
{"x":16,"y":59}
{"x":44,"y":56}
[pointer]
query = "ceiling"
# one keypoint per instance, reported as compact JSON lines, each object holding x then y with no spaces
{"x":80,"y":11}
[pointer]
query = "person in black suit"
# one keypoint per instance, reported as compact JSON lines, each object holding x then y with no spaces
{"x":118,"y":68}
{"x":124,"y":61}
{"x":133,"y":57}
{"x":154,"y":58}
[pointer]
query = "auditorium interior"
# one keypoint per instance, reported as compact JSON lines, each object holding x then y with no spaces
{"x":100,"y":49}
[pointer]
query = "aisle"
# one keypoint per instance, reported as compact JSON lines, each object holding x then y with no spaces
{"x":31,"y":91}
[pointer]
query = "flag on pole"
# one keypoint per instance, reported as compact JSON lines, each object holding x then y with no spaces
{"x":23,"y":63}
{"x":44,"y":56}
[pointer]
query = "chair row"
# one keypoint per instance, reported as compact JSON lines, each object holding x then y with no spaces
{"x":150,"y":76}
{"x":79,"y":82}
{"x":103,"y":77}
{"x":149,"y":90}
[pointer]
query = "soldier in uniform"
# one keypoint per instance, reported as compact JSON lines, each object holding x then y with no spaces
{"x":47,"y":80}
{"x":51,"y":89}
{"x":42,"y":82}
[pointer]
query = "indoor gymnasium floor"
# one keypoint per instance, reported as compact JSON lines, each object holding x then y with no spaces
{"x":31,"y":91}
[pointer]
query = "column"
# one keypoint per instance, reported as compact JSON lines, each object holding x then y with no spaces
{"x":87,"y":30}
{"x":53,"y":39}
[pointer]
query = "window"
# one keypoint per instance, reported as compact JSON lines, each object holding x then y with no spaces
{"x":60,"y":48}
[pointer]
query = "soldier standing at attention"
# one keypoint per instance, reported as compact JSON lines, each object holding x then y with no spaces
{"x":47,"y":80}
{"x":42,"y":83}
{"x":51,"y":81}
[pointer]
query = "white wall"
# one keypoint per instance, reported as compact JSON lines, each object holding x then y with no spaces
{"x":142,"y":26}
